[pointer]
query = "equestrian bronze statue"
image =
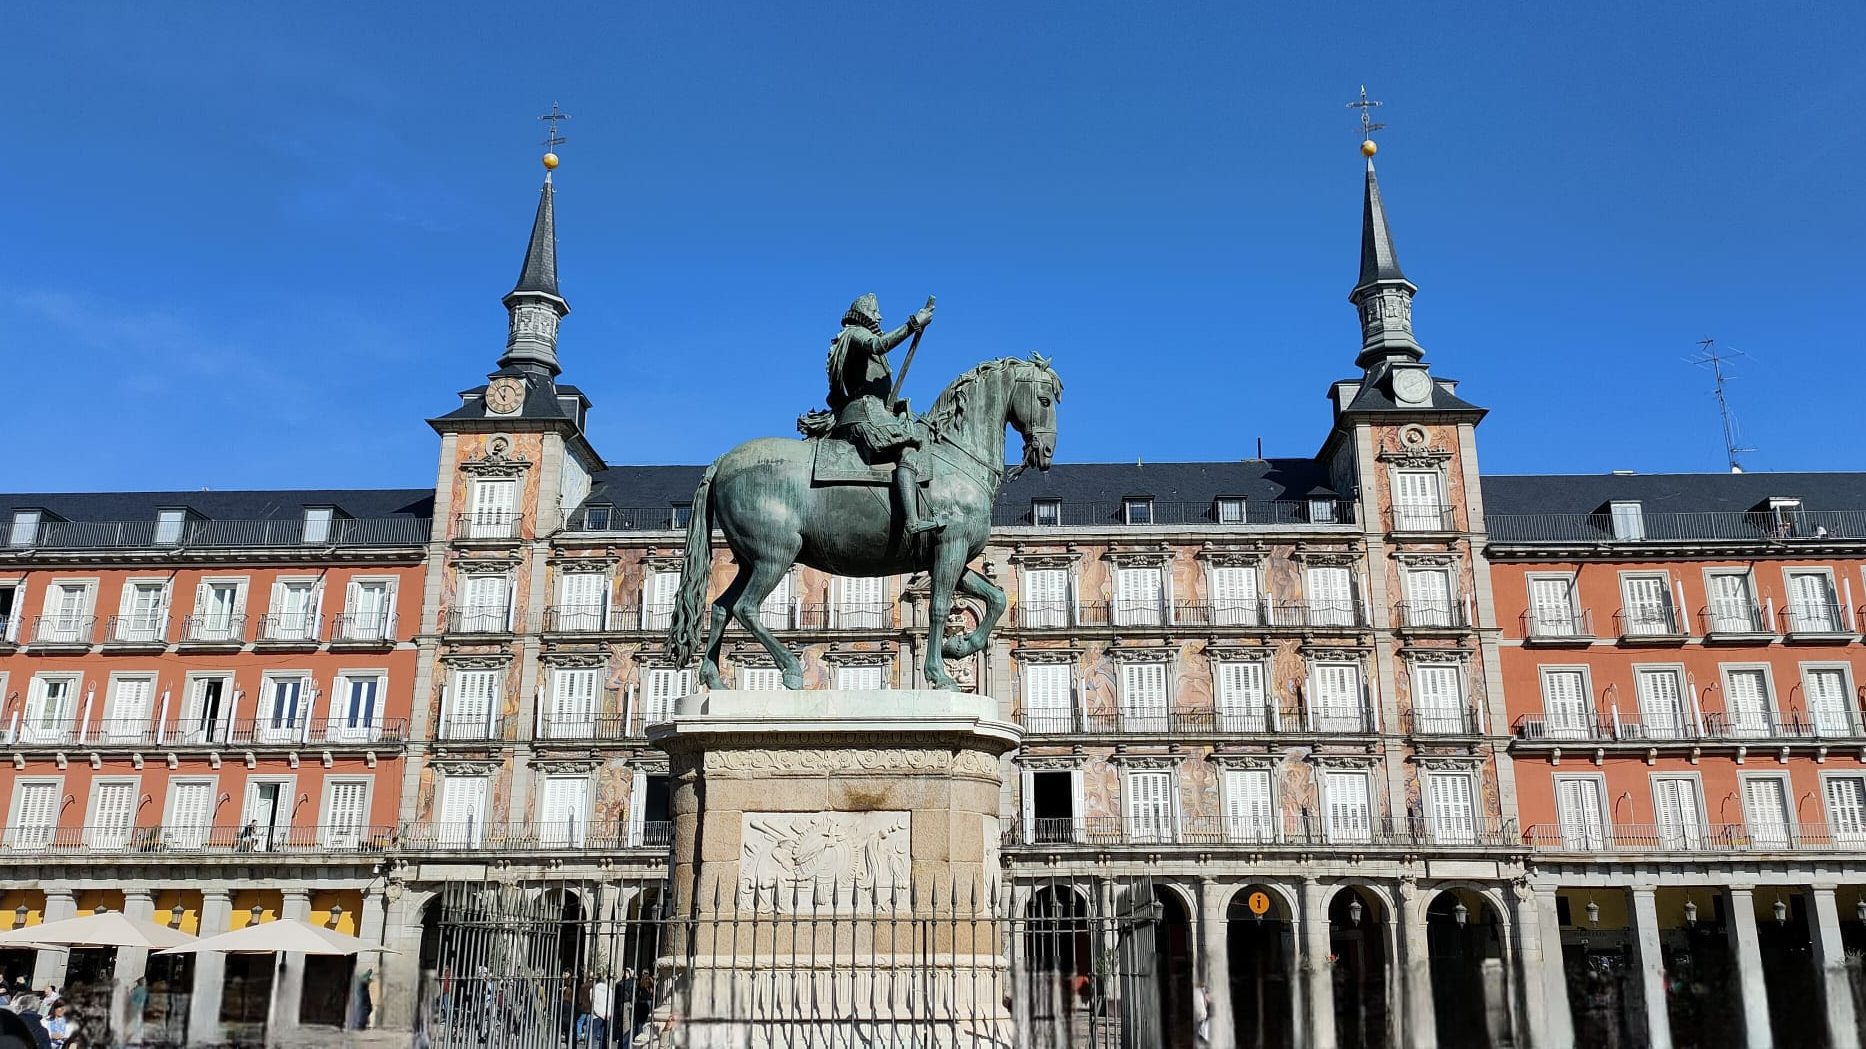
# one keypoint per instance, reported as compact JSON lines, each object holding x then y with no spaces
{"x":836,"y":501}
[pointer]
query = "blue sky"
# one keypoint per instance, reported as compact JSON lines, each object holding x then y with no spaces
{"x":257,"y":244}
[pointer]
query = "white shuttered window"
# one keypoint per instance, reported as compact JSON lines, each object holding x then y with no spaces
{"x":563,"y":810}
{"x":1451,"y":807}
{"x":582,"y":602}
{"x":1552,"y":610}
{"x":1235,"y":599}
{"x":1681,"y":815}
{"x":1438,"y":699}
{"x":1579,"y":812}
{"x":1143,"y":697}
{"x":1846,"y":808}
{"x":573,"y":703}
{"x":1045,"y":600}
{"x":463,"y":811}
{"x":1335,"y":702}
{"x":346,"y":810}
{"x":1747,"y":701}
{"x":1329,"y":590}
{"x":1241,"y":698}
{"x":1047,"y":701}
{"x":35,"y":813}
{"x":1250,"y":813}
{"x":1829,"y":703}
{"x":1347,"y":798}
{"x":1566,"y":712}
{"x":113,"y":815}
{"x":1765,"y":807}
{"x":662,"y":686}
{"x":1150,"y":806}
{"x":1139,"y":597}
{"x":472,"y":704}
{"x":1661,"y":702}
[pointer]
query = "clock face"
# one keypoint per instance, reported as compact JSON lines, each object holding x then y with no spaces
{"x":505,"y":396}
{"x":1413,"y":386}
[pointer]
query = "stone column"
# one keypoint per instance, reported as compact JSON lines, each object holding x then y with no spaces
{"x":1651,"y":967}
{"x":1421,"y":1018}
{"x":1317,"y":973}
{"x":864,"y":822}
{"x":1216,"y":932}
{"x":1755,"y":994}
{"x":210,"y":971}
{"x":132,"y":962}
{"x":1830,"y":957}
{"x":1545,"y":968}
{"x":50,"y":964}
{"x":371,"y":925}
{"x":288,"y":991}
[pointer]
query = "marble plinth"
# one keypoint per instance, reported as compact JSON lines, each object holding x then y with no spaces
{"x":835,"y":870}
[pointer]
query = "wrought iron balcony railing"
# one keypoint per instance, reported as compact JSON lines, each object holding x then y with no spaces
{"x":1697,"y":838}
{"x":1436,"y":722}
{"x":1734,"y":619}
{"x":1725,"y":526}
{"x":1556,"y":626}
{"x":1711,"y":726}
{"x":213,"y":628}
{"x":1435,"y":615}
{"x":1817,"y":618}
{"x":568,"y":836}
{"x":1636,"y":623}
{"x":1121,"y":513}
{"x":362,"y":628}
{"x":137,"y":630}
{"x":1287,"y":719}
{"x":63,"y":630}
{"x":1303,"y":830}
{"x":488,"y":525}
{"x":282,"y":533}
{"x":288,"y":627}
{"x":1423,"y":519}
{"x":117,"y":840}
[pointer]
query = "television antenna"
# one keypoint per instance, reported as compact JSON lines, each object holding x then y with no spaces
{"x":1711,"y":356}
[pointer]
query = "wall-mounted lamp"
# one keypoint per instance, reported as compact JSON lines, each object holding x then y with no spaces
{"x":1691,"y":913}
{"x":1859,"y":909}
{"x":1781,"y":911}
{"x":1354,"y":912}
{"x":175,"y":914}
{"x":1461,"y":914}
{"x":20,"y":912}
{"x":1593,"y":911}
{"x":336,"y":914}
{"x":256,"y":912}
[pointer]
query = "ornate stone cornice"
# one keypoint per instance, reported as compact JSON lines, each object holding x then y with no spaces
{"x":1334,"y":654}
{"x":572,"y":660}
{"x":1436,"y":655}
{"x":457,"y":767}
{"x":1326,"y":557}
{"x":1149,"y":654}
{"x":1343,"y":761}
{"x":571,"y":565}
{"x":1239,"y":653}
{"x":662,"y":562}
{"x":1449,"y":762}
{"x":1050,"y":762}
{"x":1145,"y":762}
{"x":1415,"y":458}
{"x":1032,"y":655}
{"x":496,"y":463}
{"x":745,"y":654}
{"x":1046,"y":558}
{"x":854,"y":658}
{"x":1245,"y":761}
{"x":477,"y":660}
{"x":1418,"y":559}
{"x":1233,"y":556}
{"x":1132,"y":558}
{"x":566,"y":766}
{"x":487,"y":562}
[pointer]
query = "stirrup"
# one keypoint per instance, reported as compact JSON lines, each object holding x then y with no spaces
{"x":935,"y":523}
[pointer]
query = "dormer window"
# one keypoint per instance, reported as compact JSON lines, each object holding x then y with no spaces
{"x":1322,"y":511}
{"x":25,"y":530}
{"x":1629,"y":520}
{"x":1785,"y":518}
{"x":596,"y":518}
{"x":682,"y":514}
{"x":1046,"y":513}
{"x":169,"y":524}
{"x":1230,"y":510}
{"x":1137,"y":510}
{"x":317,"y":524}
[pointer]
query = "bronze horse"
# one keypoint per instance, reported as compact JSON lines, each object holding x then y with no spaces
{"x":761,"y":497}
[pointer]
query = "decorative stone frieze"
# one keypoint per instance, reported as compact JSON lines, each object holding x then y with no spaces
{"x":496,"y":462}
{"x":858,"y":658}
{"x":1050,"y":762}
{"x":1230,"y":653}
{"x":1327,"y":760}
{"x":1232,"y":760}
{"x":1139,"y":558}
{"x":1449,"y":762}
{"x":1032,"y":655}
{"x":1233,"y":556}
{"x":1425,"y":559}
{"x":476,"y":661}
{"x":566,"y":766}
{"x":1149,"y":654}
{"x":1436,"y":655}
{"x":1333,"y":557}
{"x":1046,"y":558}
{"x":1131,"y":762}
{"x":570,"y":660}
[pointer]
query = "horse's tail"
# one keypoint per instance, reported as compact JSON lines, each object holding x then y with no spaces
{"x":689,"y":623}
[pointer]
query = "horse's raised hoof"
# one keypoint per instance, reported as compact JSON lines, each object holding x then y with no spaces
{"x":793,"y":680}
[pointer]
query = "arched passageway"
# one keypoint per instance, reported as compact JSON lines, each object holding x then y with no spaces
{"x":1357,"y":920}
{"x":1061,"y":993}
{"x":1704,"y":1002}
{"x":1173,"y":966}
{"x":1261,"y":946}
{"x":1791,"y":976}
{"x":1470,"y":985}
{"x":1600,"y":968}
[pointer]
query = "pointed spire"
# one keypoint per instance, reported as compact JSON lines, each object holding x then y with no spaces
{"x":534,"y":304}
{"x":1383,"y":295}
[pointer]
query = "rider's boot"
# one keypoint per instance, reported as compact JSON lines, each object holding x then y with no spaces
{"x":907,"y":490}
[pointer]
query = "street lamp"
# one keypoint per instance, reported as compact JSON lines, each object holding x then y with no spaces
{"x":336,"y":914}
{"x":1859,"y":909}
{"x":257,"y":911}
{"x":1461,"y":914}
{"x":20,"y":912}
{"x":175,"y":915}
{"x":1691,"y":913}
{"x":1354,"y":912}
{"x":1781,"y":911}
{"x":1593,"y":911}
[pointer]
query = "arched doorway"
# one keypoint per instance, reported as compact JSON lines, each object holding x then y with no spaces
{"x":1470,"y":985}
{"x":1797,"y":1006}
{"x":1061,"y":994}
{"x":1173,"y":946}
{"x":1260,"y":945}
{"x":1600,"y":967}
{"x":1357,"y":921}
{"x":1704,"y":1000}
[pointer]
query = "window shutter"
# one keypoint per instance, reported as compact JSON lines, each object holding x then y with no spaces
{"x":564,"y":810}
{"x":1730,"y":604}
{"x":866,"y":679}
{"x":1046,"y":597}
{"x":129,"y":707}
{"x":1331,"y":595}
{"x":112,"y":814}
{"x":664,"y":687}
{"x":1846,"y":807}
{"x":1577,"y":807}
{"x":463,"y":809}
{"x":1047,"y":706}
{"x":1565,"y":704}
{"x":1765,"y":806}
{"x":1143,"y":696}
{"x":1748,"y":702}
{"x":1241,"y":701}
{"x":1335,"y":697}
{"x":1661,"y":706}
{"x":660,"y":592}
{"x":1677,"y":803}
{"x":191,"y":809}
{"x":1137,"y":596}
{"x":760,"y":679}
{"x":343,"y":820}
{"x":1234,"y":595}
{"x":475,"y":695}
{"x":573,"y":702}
{"x":861,"y":603}
{"x":1453,"y":818}
{"x":38,"y":812}
{"x":1812,"y":598}
{"x":1150,"y":809}
{"x":1552,"y":611}
{"x":1648,"y":605}
{"x":1827,"y":701}
{"x":1248,"y":812}
{"x":1417,"y":503}
{"x":1346,"y":795}
{"x":1438,"y":701}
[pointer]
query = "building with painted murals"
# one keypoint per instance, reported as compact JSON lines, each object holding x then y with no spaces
{"x":1309,"y":698}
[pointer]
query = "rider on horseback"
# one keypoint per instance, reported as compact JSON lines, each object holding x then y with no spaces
{"x":859,"y":393}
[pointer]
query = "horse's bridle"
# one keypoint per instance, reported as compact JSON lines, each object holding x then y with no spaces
{"x":997,"y":473}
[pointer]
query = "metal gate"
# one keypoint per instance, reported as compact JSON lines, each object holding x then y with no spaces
{"x":591,"y":964}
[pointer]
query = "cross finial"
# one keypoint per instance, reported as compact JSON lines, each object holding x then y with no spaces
{"x":1368,"y":125}
{"x":552,"y":139}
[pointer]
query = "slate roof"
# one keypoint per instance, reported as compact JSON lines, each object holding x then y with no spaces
{"x":1669,"y":493}
{"x":1378,"y":259}
{"x":539,"y":273}
{"x":224,"y":506}
{"x":1073,"y":483}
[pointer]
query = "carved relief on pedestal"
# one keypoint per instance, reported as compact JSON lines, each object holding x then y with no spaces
{"x":793,"y":860}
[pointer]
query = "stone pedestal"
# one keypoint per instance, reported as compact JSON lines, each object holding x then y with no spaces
{"x":835,"y":870}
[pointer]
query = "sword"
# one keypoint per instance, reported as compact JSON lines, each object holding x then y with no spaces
{"x":894,"y":395}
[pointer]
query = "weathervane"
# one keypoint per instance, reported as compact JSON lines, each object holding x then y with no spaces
{"x":552,"y":139}
{"x":1368,"y":125}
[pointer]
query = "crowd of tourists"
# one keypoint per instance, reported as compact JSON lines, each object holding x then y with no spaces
{"x":41,"y":1017}
{"x":586,"y":1014}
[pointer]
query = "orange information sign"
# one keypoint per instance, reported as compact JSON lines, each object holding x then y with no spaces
{"x":1258,"y":902}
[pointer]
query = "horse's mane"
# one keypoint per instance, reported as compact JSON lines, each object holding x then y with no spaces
{"x":949,"y":408}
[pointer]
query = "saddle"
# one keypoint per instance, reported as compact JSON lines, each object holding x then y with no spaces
{"x":834,"y":461}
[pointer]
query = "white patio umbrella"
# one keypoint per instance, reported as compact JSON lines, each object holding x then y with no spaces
{"x":285,"y":936}
{"x":103,"y":929}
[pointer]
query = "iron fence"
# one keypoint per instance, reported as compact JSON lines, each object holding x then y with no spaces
{"x":263,"y":534}
{"x":592,"y":964}
{"x":1754,"y":526}
{"x":1305,"y":830}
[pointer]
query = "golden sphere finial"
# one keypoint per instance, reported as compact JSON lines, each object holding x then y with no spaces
{"x":550,"y":162}
{"x":1368,"y":148}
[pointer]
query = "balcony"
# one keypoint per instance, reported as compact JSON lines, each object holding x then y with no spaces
{"x":213,"y":631}
{"x":1735,"y":623}
{"x":1116,"y":514}
{"x":578,"y":728}
{"x":1805,"y":621}
{"x":1554,"y":629}
{"x":1434,"y":722}
{"x":651,"y":835}
{"x":1435,"y":615}
{"x":1289,"y":830}
{"x":297,"y":730}
{"x":487,"y":619}
{"x":1703,"y":838}
{"x":288,"y":630}
{"x":137,"y":632}
{"x":234,"y":841}
{"x":1758,"y":527}
{"x":362,"y":630}
{"x":1239,"y":615}
{"x":62,"y":631}
{"x":474,"y":728}
{"x":1284,"y":720}
{"x":488,"y":527}
{"x":283,"y":533}
{"x":1649,"y":626}
{"x":1424,"y":519}
{"x":1711,"y":727}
